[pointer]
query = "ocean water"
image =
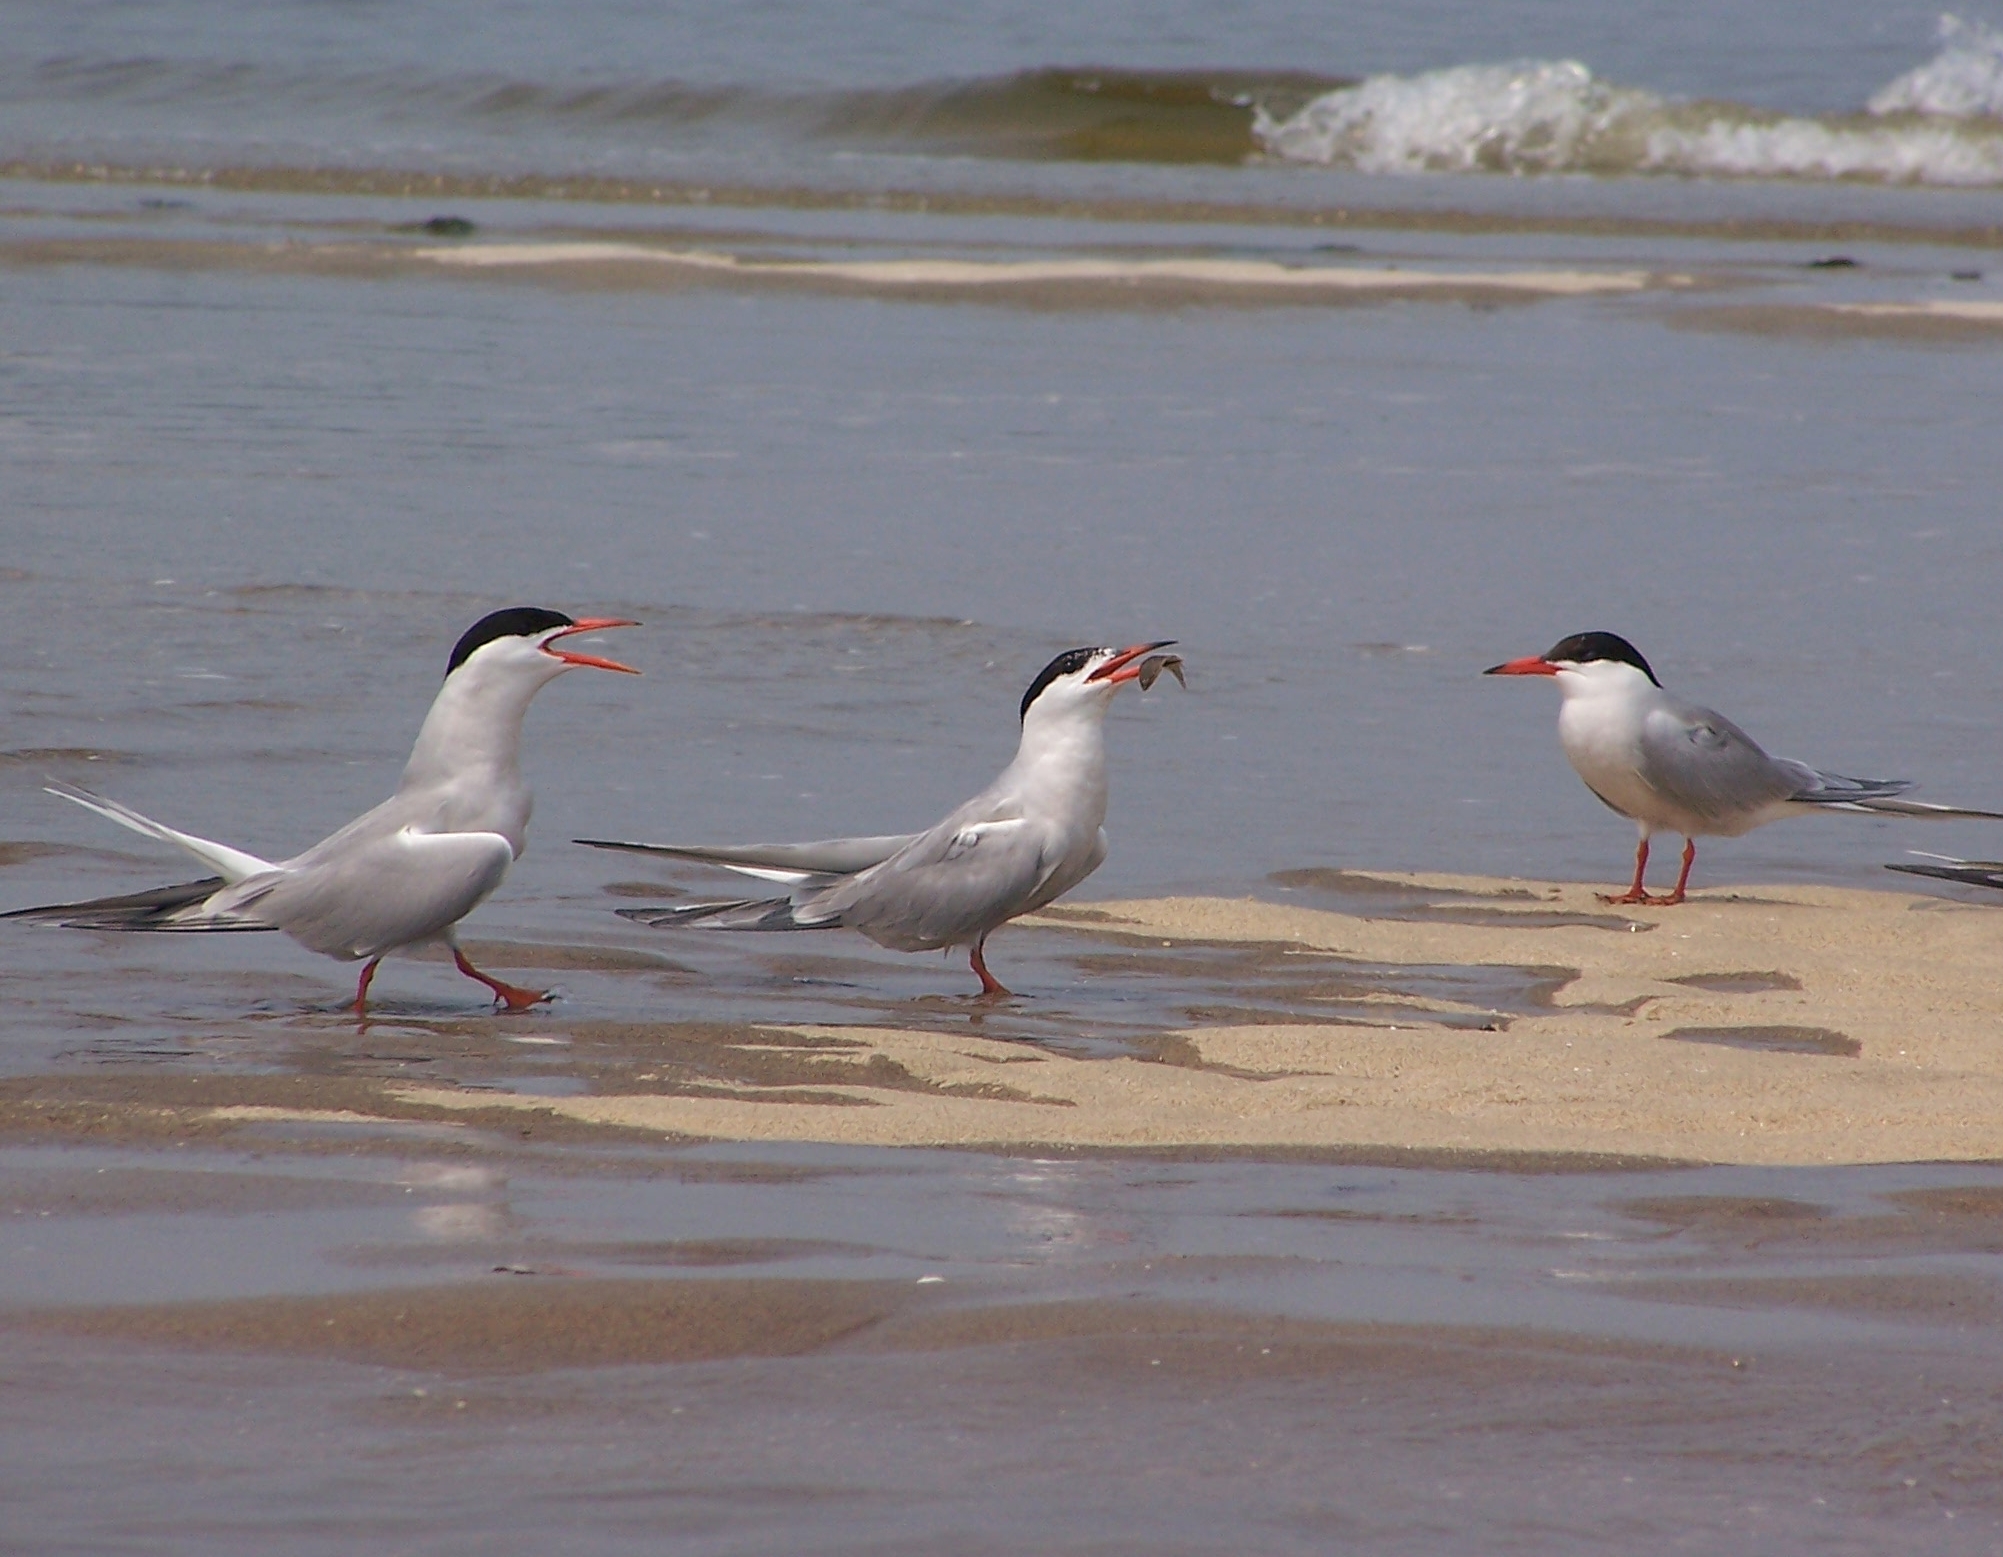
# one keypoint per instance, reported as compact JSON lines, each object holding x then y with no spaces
{"x":1887,"y":92}
{"x":870,"y":355}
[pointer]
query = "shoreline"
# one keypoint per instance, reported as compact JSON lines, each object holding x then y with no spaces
{"x":1776,"y":1026}
{"x":1311,"y":211}
{"x":1790,"y":1026}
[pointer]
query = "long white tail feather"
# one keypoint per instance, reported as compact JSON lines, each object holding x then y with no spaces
{"x":233,"y":865}
{"x":785,"y":878}
{"x":787,"y":863}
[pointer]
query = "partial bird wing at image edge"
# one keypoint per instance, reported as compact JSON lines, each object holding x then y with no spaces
{"x":1974,"y":873}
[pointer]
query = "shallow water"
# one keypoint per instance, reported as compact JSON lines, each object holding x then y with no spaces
{"x":253,"y":510}
{"x":269,"y":450}
{"x":471,"y":1346}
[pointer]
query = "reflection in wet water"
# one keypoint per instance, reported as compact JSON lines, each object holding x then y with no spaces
{"x":1797,"y":1360}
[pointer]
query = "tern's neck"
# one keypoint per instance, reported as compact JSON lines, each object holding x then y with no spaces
{"x":1062,"y":758}
{"x":474,"y":728}
{"x":1603,"y":713}
{"x":1606,"y":685}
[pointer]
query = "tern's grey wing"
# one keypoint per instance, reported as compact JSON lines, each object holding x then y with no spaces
{"x":787,"y":862}
{"x":1699,"y":760}
{"x":949,"y":886}
{"x":394,"y":890}
{"x":416,"y":811}
{"x":1853,"y":794}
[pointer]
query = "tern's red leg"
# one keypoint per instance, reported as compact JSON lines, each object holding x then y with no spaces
{"x":1636,"y":893}
{"x":517,"y":999}
{"x":1683,"y":876}
{"x":362,"y":989}
{"x":990,"y":985}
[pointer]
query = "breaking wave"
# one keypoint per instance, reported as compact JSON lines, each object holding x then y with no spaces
{"x":1938,"y":124}
{"x":1941,"y":123}
{"x":1056,"y":113}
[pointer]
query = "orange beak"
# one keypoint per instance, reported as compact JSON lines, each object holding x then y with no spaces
{"x":1124,"y":666}
{"x":593,"y":624}
{"x":1529,"y":665}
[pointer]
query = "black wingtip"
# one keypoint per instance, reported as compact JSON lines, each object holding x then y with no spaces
{"x":130,"y":911}
{"x":775,"y":913}
{"x":660,"y":915}
{"x":624,"y":847}
{"x":1969,"y":873}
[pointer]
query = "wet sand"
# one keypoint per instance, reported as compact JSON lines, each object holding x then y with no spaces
{"x":1433,"y":1018}
{"x":1433,"y":1267}
{"x":1096,"y":283}
{"x":1762,"y":220}
{"x":1779,"y":1025}
{"x":985,"y":1353}
{"x":1974,"y":321}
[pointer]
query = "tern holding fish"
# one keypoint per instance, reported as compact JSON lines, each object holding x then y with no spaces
{"x":1028,"y":838}
{"x":406,"y":873}
{"x":1671,"y":766}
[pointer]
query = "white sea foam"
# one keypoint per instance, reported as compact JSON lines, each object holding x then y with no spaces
{"x":1921,"y":152}
{"x":1963,"y":81}
{"x":1939,"y":124}
{"x":1530,"y":116}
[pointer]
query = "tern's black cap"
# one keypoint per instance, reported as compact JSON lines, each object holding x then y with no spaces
{"x":1068,"y":663}
{"x":515,"y":622}
{"x":1584,"y":648}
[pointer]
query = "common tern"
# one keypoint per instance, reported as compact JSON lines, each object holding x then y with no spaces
{"x":1671,"y":766}
{"x":404,"y":874}
{"x":1028,"y":838}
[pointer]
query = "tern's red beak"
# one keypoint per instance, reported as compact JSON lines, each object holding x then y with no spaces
{"x":1529,"y":665}
{"x":593,"y":624}
{"x":1124,"y":666}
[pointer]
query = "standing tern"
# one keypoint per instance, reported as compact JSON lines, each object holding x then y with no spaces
{"x":1671,"y":766}
{"x":404,"y":874}
{"x":1028,"y":838}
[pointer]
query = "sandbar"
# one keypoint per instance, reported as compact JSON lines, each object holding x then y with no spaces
{"x":1223,"y":276}
{"x":1785,"y":1025}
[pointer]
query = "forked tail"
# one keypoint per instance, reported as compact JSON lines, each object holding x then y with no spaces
{"x":233,"y":865}
{"x":163,"y":908}
{"x":1876,"y":797}
{"x":772,"y":913}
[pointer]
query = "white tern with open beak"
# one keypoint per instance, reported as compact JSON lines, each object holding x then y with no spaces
{"x":406,"y":873}
{"x":1028,"y":838}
